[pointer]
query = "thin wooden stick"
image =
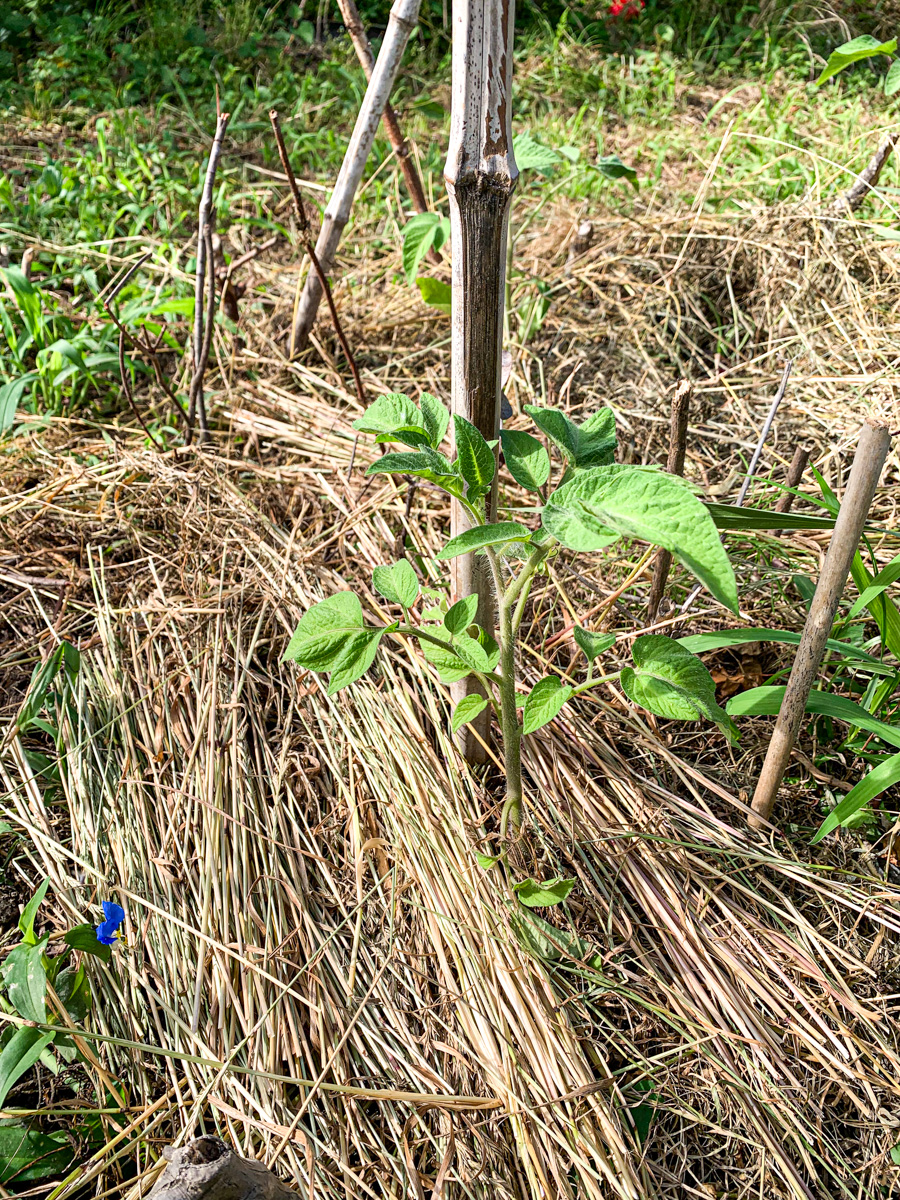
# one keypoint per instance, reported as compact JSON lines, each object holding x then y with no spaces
{"x":399,"y":144}
{"x":868,"y":461}
{"x":403,"y":18}
{"x":754,"y":461}
{"x":764,"y":433}
{"x":197,"y":404}
{"x":306,"y":239}
{"x":678,"y":426}
{"x":867,"y":179}
{"x":792,"y":479}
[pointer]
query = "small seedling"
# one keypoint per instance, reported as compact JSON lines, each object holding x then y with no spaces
{"x":596,"y":503}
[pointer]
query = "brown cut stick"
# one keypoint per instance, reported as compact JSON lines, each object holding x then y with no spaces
{"x":306,"y":239}
{"x":871,"y":451}
{"x":792,"y":479}
{"x":678,"y":424}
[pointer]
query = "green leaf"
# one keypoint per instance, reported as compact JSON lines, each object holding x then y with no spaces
{"x":484,"y":535}
{"x":530,"y":155}
{"x":700,"y":643}
{"x":486,"y":861}
{"x":611,"y":166}
{"x":41,"y":679}
{"x":895,"y":1154}
{"x":851,"y":52}
{"x":435,"y":418}
{"x":472,"y":652}
{"x":27,"y":298}
{"x":355,"y":659}
{"x":26,"y":1155}
{"x":389,"y":414}
{"x":418,"y":238}
{"x":591,"y":444}
{"x":593,"y":644}
{"x":544,"y":940}
{"x":766,"y":702}
{"x":892,"y":79}
{"x":527,"y":459}
{"x":588,"y":512}
{"x":545,"y":894}
{"x":29,"y":913}
{"x":467,"y":710}
{"x":424,"y":463}
{"x":671,"y":682}
{"x":19,"y":1054}
{"x":490,"y":647}
{"x":730,"y":517}
{"x":543,"y":702}
{"x":323,"y":631}
{"x":26,"y":981}
{"x":885,"y":775}
{"x":458,"y":618}
{"x":436,"y":294}
{"x":84,"y":938}
{"x":450,"y":666}
{"x":10,"y":395}
{"x":475,"y":458}
{"x":74,"y":991}
{"x":398,"y":584}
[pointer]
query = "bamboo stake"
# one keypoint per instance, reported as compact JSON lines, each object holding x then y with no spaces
{"x":678,"y":424}
{"x":399,"y":144}
{"x":480,"y":174}
{"x":871,"y":452}
{"x":404,"y":15}
{"x":203,"y":335}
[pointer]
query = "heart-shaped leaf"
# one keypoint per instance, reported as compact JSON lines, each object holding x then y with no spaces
{"x":526,"y":457}
{"x":593,"y":644}
{"x":467,"y":710}
{"x":543,"y":702}
{"x":398,"y":583}
{"x":461,"y":615}
{"x":671,"y":682}
{"x":543,"y":894}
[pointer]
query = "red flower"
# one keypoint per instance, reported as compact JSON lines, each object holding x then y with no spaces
{"x":625,"y":8}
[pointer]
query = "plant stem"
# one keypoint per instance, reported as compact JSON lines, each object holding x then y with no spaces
{"x":511,"y":605}
{"x":509,"y":720}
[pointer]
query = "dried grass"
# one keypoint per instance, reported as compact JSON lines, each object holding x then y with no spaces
{"x":320,"y":971}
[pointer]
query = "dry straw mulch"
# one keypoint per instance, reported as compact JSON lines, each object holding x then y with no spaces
{"x":319,"y":969}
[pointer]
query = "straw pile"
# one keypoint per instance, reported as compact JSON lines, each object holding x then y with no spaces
{"x":319,"y":970}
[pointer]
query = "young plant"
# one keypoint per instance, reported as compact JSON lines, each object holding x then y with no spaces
{"x":595,"y":503}
{"x":32,"y":977}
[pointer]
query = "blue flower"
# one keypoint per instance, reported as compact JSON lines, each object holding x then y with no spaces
{"x":107,"y":930}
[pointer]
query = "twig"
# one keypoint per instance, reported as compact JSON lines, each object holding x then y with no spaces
{"x":129,"y":395}
{"x":137,"y":344}
{"x":764,"y":433}
{"x":751,"y":470}
{"x":867,"y":179}
{"x":868,"y":461}
{"x":197,"y":404}
{"x":306,"y":239}
{"x":678,"y":425}
{"x":237,"y":263}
